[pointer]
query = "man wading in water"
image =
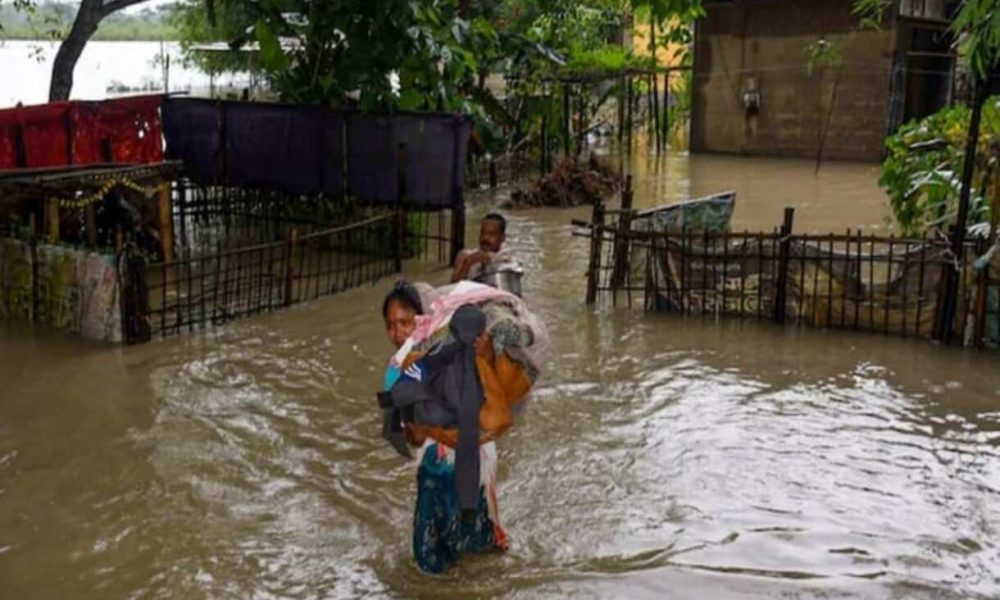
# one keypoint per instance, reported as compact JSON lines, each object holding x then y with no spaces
{"x":459,"y":385}
{"x":469,"y":264}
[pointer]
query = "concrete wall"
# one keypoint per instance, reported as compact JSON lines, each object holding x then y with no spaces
{"x":766,"y":40}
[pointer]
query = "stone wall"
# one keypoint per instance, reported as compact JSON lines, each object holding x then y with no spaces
{"x":764,"y":42}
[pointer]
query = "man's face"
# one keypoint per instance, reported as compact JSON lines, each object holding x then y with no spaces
{"x":491,"y":237}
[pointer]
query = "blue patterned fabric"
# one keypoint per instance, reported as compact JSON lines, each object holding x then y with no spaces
{"x":439,"y":533}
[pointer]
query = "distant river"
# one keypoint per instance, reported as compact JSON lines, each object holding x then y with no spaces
{"x":26,"y":70}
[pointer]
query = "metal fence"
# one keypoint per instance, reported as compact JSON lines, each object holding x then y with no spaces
{"x":847,"y":281}
{"x":243,"y":252}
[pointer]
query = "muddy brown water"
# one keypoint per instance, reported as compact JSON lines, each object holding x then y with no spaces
{"x":661,"y":457}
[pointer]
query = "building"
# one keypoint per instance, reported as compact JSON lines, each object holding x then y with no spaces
{"x":753,"y":92}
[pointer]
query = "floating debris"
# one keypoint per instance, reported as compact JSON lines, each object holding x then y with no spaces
{"x":571,"y":183}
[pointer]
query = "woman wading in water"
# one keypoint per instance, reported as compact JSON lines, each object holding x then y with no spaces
{"x":456,"y":370}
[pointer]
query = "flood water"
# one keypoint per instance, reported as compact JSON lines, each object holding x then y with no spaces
{"x":661,"y":457}
{"x":26,"y":70}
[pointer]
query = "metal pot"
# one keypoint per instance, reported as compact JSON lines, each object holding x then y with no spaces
{"x":504,"y":276}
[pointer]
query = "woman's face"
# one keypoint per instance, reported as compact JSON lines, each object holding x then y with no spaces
{"x":400,"y":321}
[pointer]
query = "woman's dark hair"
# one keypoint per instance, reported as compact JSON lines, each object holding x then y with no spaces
{"x":405,"y":294}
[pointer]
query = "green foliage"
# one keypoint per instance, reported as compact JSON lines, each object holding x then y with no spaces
{"x":230,"y":22}
{"x":871,"y":13}
{"x":436,"y":54}
{"x":922,"y":173}
{"x":326,"y":52}
{"x":821,"y":54}
{"x":679,"y":112}
{"x":979,"y":23}
{"x":608,"y":58}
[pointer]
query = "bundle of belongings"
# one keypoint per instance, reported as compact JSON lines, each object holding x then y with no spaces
{"x":452,"y":403}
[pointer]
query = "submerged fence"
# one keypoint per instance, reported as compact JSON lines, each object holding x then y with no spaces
{"x":847,"y":281}
{"x":244,"y":251}
{"x":277,"y":204}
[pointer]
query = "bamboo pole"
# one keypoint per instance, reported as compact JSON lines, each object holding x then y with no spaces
{"x":290,"y":242}
{"x":596,"y":239}
{"x":52,"y":220}
{"x":165,"y":223}
{"x":628,"y":115}
{"x":656,"y":89}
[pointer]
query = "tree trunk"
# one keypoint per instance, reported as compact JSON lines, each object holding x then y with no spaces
{"x":87,"y":19}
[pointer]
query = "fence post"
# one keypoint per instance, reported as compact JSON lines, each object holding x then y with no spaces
{"x":628,"y":115}
{"x":621,"y":260}
{"x":984,"y":273}
{"x":457,"y":230}
{"x":35,"y":288}
{"x":781,"y":293}
{"x":133,"y":298}
{"x":90,"y":225}
{"x":291,"y":240}
{"x":457,"y":207}
{"x":596,"y":239}
{"x":182,"y":210}
{"x":666,"y":114}
{"x":400,"y":210}
{"x":982,"y":285}
{"x":165,"y":222}
{"x":51,"y":220}
{"x":493,"y":172}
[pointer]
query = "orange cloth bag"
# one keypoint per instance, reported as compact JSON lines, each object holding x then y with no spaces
{"x":505,"y":385}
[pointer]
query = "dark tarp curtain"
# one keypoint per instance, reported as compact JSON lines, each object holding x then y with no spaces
{"x":373,"y":158}
{"x":434,"y":146}
{"x":193,"y":133}
{"x":295,"y":148}
{"x":300,"y":149}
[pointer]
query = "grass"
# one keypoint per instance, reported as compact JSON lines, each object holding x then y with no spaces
{"x":107,"y":32}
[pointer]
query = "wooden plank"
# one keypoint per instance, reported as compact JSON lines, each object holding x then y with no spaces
{"x":51,"y":220}
{"x":165,"y":223}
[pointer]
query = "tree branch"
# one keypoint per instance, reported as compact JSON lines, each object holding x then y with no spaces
{"x":112,"y":6}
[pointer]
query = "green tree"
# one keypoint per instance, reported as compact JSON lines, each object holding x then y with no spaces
{"x":195,"y":24}
{"x":920,"y":176}
{"x":88,"y":18}
{"x":85,"y":24}
{"x":976,"y":24}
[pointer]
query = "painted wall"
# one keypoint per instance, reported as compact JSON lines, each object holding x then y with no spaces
{"x":61,"y":287}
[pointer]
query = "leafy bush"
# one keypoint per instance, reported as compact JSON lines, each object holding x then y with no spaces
{"x":923,"y":169}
